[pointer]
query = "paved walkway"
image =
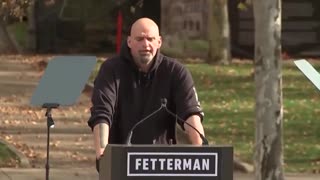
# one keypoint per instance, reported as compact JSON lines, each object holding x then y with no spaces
{"x":23,"y":127}
{"x":54,"y":174}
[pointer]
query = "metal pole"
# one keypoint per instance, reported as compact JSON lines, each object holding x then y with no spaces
{"x":50,"y":124}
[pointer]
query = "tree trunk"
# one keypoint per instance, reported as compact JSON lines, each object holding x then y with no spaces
{"x":268,"y":158}
{"x":219,"y":34}
{"x":6,"y":45}
{"x":31,"y":37}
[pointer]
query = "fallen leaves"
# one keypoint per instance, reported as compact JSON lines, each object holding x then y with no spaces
{"x":24,"y":126}
{"x":10,"y":163}
{"x":55,"y":144}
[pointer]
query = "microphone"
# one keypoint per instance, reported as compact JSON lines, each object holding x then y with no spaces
{"x":128,"y":141}
{"x":164,"y":105}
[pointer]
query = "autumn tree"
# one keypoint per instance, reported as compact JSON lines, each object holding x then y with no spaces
{"x":268,"y":158}
{"x":10,"y":11}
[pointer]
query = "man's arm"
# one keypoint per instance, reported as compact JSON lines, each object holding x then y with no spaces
{"x":100,"y":135}
{"x":194,"y":137}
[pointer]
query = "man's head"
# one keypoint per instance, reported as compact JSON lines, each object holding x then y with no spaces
{"x":144,"y":41}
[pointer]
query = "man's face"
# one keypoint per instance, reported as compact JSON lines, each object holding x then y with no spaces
{"x":144,"y":43}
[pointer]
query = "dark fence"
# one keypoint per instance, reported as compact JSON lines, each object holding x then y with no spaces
{"x":300,"y":28}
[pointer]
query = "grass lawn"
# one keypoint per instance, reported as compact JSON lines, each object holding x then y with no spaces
{"x":227,"y":96}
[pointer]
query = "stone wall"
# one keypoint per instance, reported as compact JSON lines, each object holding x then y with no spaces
{"x":184,"y":18}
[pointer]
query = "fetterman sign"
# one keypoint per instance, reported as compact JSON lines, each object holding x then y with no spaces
{"x":172,"y":164}
{"x":166,"y":162}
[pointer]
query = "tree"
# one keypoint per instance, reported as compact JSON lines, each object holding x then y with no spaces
{"x":268,"y":79}
{"x":10,"y":10}
{"x":6,"y":44}
{"x":219,"y":33}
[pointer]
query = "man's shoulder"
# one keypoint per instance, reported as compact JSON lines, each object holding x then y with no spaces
{"x":174,"y":66}
{"x":112,"y":62}
{"x":172,"y":62}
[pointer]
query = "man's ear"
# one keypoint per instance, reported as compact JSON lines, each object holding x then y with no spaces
{"x":129,"y":42}
{"x":159,"y":41}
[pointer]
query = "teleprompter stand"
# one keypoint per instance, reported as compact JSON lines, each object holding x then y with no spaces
{"x":61,"y":85}
{"x":50,"y":124}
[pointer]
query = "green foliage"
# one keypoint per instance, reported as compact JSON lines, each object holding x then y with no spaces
{"x":6,"y":155}
{"x":19,"y":31}
{"x":173,"y":52}
{"x":187,"y":48}
{"x":201,"y":46}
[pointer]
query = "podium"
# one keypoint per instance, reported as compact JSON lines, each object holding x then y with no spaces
{"x":166,"y":162}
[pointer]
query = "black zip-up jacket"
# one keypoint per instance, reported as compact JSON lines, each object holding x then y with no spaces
{"x":123,"y":95}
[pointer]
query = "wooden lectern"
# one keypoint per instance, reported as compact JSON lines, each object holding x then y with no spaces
{"x":166,"y":162}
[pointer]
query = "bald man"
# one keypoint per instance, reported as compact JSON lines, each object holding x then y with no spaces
{"x":130,"y":87}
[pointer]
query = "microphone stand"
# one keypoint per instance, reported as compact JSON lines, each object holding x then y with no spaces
{"x":164,"y":105}
{"x":128,"y":141}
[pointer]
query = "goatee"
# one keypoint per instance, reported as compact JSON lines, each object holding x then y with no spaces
{"x":145,"y":59}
